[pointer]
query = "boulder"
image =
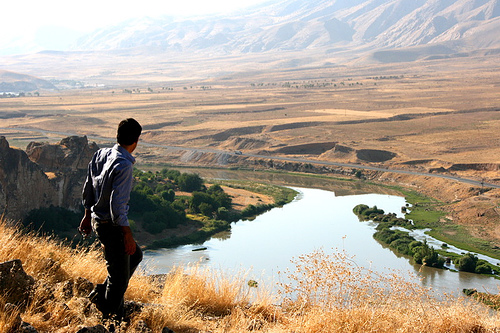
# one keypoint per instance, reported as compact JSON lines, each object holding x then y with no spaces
{"x":16,"y":325}
{"x":15,"y":285}
{"x":26,"y":328}
{"x":142,"y":327}
{"x":94,"y":329}
{"x":82,"y":287}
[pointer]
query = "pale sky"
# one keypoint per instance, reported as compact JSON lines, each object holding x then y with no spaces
{"x":20,"y":21}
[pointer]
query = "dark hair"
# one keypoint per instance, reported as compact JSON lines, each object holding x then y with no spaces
{"x":128,"y":132}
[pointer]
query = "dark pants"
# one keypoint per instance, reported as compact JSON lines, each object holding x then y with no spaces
{"x":120,"y":268}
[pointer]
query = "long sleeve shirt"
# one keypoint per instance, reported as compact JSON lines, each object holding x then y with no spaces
{"x":107,"y":188}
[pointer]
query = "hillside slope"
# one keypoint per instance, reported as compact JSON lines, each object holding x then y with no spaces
{"x":16,"y":82}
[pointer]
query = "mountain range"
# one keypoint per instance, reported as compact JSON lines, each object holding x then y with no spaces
{"x":333,"y":25}
{"x":279,"y":34}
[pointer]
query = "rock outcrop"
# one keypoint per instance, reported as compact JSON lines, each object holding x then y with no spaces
{"x":43,"y":176}
{"x":23,"y":184}
{"x":67,"y":162}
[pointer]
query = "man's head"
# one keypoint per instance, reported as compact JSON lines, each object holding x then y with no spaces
{"x":128,"y":132}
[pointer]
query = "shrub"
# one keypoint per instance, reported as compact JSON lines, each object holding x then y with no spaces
{"x":168,"y":195}
{"x":483,"y":269}
{"x":401,"y":245}
{"x":363,"y":211}
{"x":206,"y":209}
{"x":223,"y":213}
{"x":467,"y":263}
{"x":52,"y":219}
{"x":190,"y":182}
{"x":249,"y":210}
{"x":359,"y":209}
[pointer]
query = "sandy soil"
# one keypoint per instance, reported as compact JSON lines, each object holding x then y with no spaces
{"x":242,"y":198}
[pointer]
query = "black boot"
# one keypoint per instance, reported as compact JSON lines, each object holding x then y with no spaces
{"x":97,"y":296}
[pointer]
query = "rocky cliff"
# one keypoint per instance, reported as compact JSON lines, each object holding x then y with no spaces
{"x":66,"y":164}
{"x":44,"y":175}
{"x":23,"y":184}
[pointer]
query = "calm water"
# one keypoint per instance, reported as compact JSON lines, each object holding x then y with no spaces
{"x":317,"y":219}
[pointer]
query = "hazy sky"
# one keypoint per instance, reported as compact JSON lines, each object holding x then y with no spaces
{"x":20,"y":22}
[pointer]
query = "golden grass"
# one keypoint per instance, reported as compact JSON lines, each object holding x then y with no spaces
{"x":330,"y":293}
{"x":324,"y":293}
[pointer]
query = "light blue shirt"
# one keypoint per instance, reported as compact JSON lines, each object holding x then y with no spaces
{"x":106,"y":191}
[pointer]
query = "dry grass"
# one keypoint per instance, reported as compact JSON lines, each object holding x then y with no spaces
{"x":330,"y":293}
{"x":325,"y":293}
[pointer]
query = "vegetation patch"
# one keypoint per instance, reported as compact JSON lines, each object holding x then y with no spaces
{"x":208,"y":209}
{"x":398,"y":240}
{"x":493,"y":301}
{"x":401,"y":242}
{"x":426,"y":212}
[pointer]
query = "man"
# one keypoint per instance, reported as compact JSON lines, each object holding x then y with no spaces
{"x":105,"y":197}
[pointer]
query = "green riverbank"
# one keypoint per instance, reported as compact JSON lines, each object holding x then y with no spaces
{"x":208,"y":227}
{"x":430,"y":213}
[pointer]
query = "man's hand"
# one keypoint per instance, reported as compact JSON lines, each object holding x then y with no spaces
{"x":85,"y":225}
{"x":129,"y":241}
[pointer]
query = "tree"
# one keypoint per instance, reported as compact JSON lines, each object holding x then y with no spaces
{"x":215,"y":189}
{"x":190,"y":182}
{"x":170,"y":174}
{"x":482,"y":268}
{"x":168,"y":195}
{"x":206,"y":209}
{"x":221,"y":198}
{"x":199,"y":198}
{"x":249,"y":210}
{"x":222,"y":213}
{"x":467,"y":263}
{"x":426,"y":255}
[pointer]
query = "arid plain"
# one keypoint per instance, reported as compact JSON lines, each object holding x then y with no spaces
{"x":440,"y":116}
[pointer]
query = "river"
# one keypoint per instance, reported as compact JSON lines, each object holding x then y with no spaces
{"x":319,"y":218}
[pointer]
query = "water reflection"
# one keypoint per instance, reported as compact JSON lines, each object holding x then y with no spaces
{"x":340,"y":187}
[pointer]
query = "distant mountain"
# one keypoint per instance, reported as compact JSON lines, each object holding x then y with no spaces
{"x":11,"y":82}
{"x":461,"y":25}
